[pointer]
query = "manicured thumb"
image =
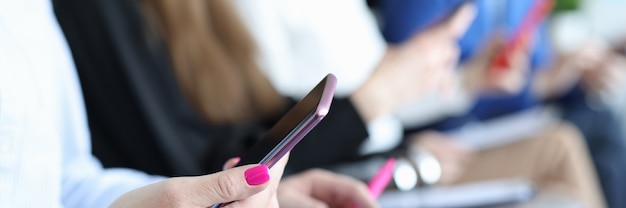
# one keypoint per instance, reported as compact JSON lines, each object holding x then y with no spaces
{"x":234,"y":184}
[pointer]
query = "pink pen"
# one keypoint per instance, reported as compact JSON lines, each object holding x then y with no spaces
{"x":379,"y":182}
{"x":382,"y":178}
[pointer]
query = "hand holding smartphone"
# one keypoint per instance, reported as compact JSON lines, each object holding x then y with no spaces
{"x":292,"y":127}
{"x":538,"y":12}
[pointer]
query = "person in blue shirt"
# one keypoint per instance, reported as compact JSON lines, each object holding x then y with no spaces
{"x":537,"y":75}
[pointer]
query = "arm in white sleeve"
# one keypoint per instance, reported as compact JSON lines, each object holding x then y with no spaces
{"x":84,"y":182}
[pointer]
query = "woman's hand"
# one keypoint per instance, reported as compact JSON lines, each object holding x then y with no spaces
{"x":423,"y":64}
{"x":593,"y":65}
{"x":481,"y":78}
{"x":244,"y":186}
{"x":606,"y":77}
{"x":319,"y":189}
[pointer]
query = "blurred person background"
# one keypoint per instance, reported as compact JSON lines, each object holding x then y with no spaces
{"x":571,"y":79}
{"x":359,"y":43}
{"x":581,"y":20}
{"x":171,"y":87}
{"x":309,"y":37}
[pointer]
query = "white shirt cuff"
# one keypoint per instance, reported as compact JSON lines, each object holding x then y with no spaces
{"x":385,"y":133}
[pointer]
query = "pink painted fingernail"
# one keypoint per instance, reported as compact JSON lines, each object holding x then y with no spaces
{"x":237,"y":159}
{"x":257,"y":175}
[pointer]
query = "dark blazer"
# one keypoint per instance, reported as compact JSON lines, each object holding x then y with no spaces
{"x":137,"y":113}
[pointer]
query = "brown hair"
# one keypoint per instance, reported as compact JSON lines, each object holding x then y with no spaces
{"x":213,"y":57}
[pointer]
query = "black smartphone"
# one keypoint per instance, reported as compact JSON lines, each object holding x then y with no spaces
{"x":293,"y":126}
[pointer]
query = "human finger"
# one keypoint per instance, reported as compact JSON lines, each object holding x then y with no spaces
{"x":290,"y":198}
{"x":268,"y":197}
{"x":200,"y":191}
{"x":340,"y":190}
{"x":457,"y":24}
{"x":233,"y":184}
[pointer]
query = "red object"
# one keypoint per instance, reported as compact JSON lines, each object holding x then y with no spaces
{"x":535,"y":16}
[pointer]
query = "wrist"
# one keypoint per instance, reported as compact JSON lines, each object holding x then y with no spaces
{"x":370,"y":102}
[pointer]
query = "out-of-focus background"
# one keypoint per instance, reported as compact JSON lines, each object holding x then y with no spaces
{"x":577,"y":20}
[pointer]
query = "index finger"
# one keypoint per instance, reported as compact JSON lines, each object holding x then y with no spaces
{"x":457,"y":24}
{"x":330,"y":186}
